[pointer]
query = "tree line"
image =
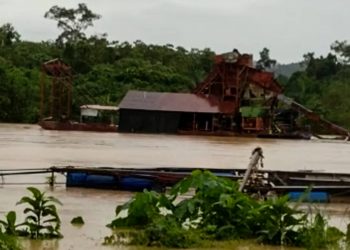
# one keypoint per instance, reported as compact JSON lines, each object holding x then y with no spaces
{"x":108,"y":69}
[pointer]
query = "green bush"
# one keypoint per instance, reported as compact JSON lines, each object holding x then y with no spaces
{"x":9,"y":224}
{"x":42,"y":219}
{"x":317,"y":234}
{"x":8,"y":242}
{"x":216,"y":211}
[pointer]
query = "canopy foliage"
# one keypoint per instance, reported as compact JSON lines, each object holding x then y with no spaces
{"x":106,"y":70}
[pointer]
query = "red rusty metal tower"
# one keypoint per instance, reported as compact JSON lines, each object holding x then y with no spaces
{"x":234,"y":83}
{"x":57,"y":104}
{"x":231,"y":76}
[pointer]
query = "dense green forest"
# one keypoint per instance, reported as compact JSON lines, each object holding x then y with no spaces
{"x":105,"y":70}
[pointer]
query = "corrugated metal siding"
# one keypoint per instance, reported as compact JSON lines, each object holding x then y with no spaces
{"x":173,"y":102}
{"x":148,"y":121}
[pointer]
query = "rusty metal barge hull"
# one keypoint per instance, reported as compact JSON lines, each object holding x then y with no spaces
{"x":99,"y":127}
{"x":76,"y":126}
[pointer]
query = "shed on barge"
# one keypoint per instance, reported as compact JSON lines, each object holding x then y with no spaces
{"x":154,"y":112}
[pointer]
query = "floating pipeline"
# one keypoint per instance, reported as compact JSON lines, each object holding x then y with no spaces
{"x":320,"y":186}
{"x":134,"y":183}
{"x":130,"y":183}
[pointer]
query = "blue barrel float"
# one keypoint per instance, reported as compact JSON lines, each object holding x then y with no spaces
{"x":76,"y":179}
{"x":80,"y":179}
{"x":322,"y":197}
{"x":136,"y":183}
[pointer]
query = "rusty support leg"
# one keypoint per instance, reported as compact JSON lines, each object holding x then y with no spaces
{"x":69,"y":99}
{"x":42,"y":95}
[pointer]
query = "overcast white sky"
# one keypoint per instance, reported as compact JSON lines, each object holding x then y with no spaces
{"x":289,"y":28}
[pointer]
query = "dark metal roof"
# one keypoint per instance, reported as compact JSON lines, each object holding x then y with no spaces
{"x":176,"y":102}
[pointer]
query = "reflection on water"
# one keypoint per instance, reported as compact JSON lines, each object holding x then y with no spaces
{"x":28,"y":146}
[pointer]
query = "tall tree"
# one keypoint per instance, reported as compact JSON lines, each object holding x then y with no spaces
{"x":308,"y":57}
{"x":265,"y":62}
{"x":343,"y":49}
{"x":73,"y":22}
{"x":322,"y":67}
{"x":8,"y":35}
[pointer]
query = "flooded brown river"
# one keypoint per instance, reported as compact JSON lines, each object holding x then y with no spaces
{"x":28,"y":146}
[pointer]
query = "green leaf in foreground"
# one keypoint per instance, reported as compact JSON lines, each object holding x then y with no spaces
{"x":42,"y":219}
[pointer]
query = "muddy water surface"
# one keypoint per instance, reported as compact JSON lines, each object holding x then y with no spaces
{"x":28,"y":146}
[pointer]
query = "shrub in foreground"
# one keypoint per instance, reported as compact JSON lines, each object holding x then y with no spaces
{"x":216,"y":211}
{"x":41,"y":217}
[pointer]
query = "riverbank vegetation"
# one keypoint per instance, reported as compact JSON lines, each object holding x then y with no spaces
{"x":202,"y":210}
{"x":104,"y":70}
{"x":41,"y":219}
{"x":212,"y":209}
